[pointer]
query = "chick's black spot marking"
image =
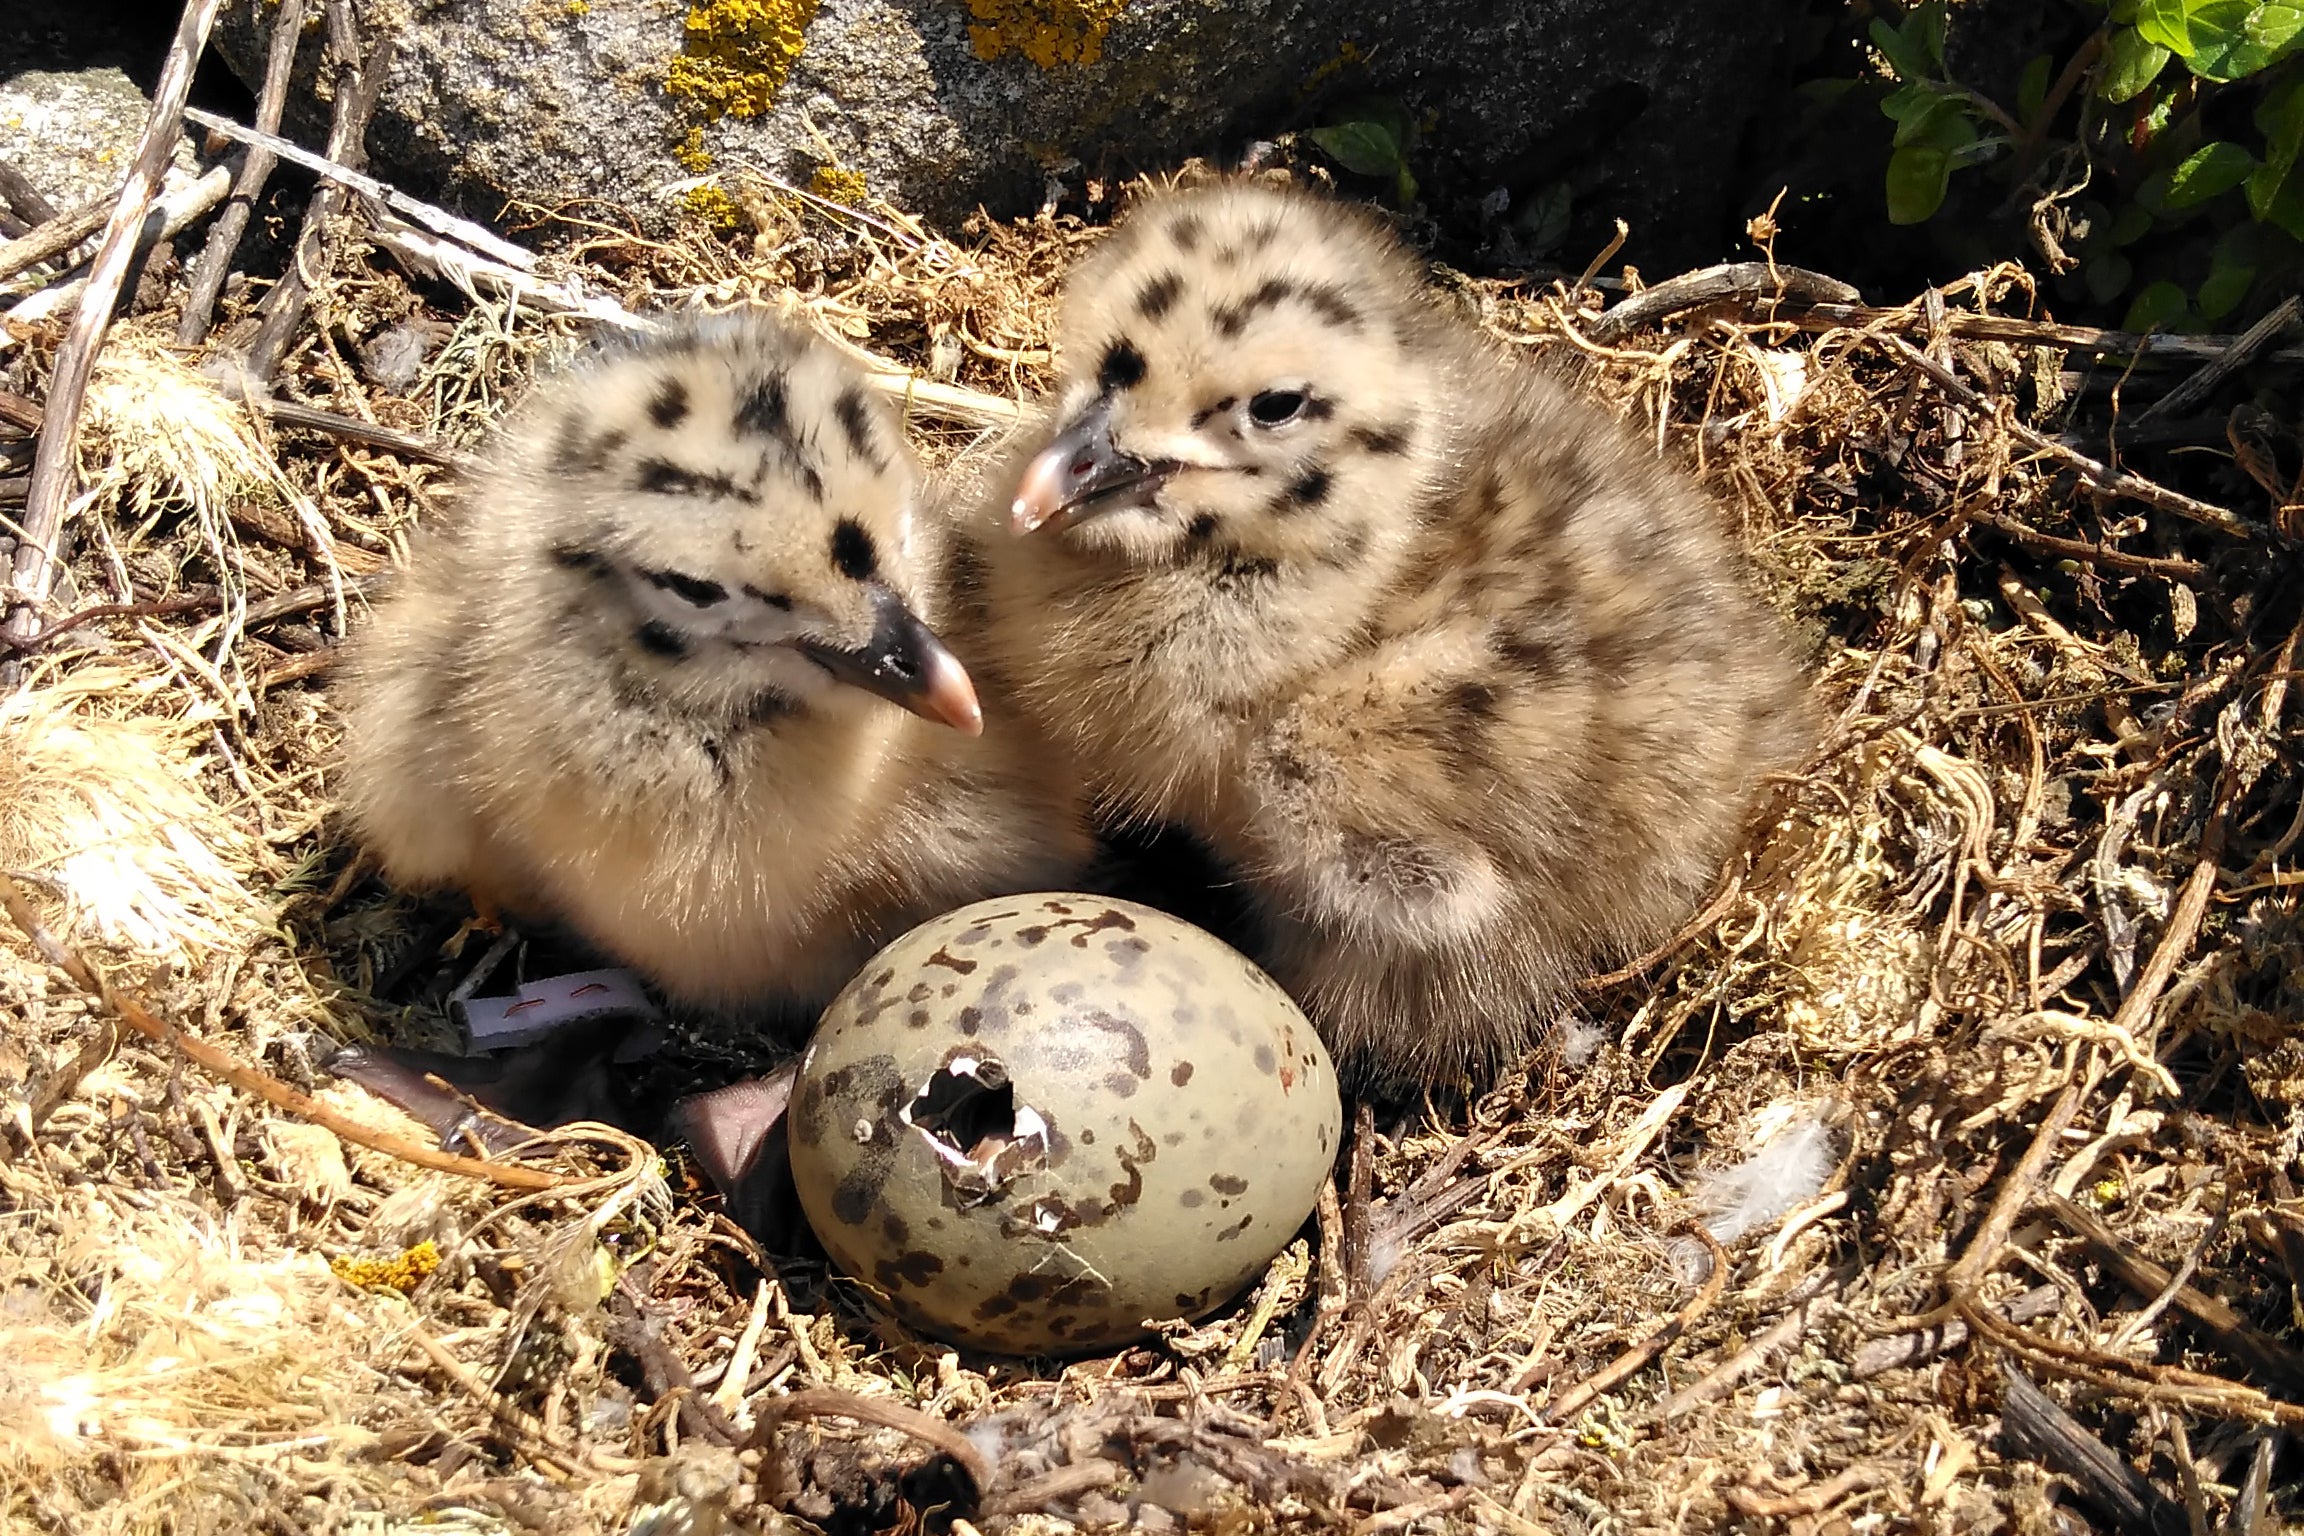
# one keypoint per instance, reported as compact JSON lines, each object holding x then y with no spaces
{"x":590,"y":562}
{"x":1186,"y":232}
{"x":573,"y":455}
{"x":852,"y":552}
{"x":810,"y":480}
{"x":1201,"y":529}
{"x":1390,"y":442}
{"x":1200,"y":417}
{"x":1159,"y":295}
{"x":662,"y":477}
{"x":696,"y":590}
{"x":1474,"y":702}
{"x":775,"y":600}
{"x":856,"y":426}
{"x":668,"y":407}
{"x":1350,"y":549}
{"x":1309,"y":489}
{"x":658,"y":638}
{"x":762,"y":411}
{"x":1122,"y":367}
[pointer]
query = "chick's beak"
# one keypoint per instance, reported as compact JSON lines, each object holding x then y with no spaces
{"x":904,"y":663}
{"x":1081,"y":472}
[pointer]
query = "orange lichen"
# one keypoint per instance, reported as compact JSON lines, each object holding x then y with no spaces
{"x":715,"y":208}
{"x":737,"y":53}
{"x":403,"y":1272}
{"x":1048,"y":32}
{"x":838,"y":184}
{"x":690,"y":154}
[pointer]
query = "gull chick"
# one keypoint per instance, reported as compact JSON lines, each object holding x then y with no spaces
{"x":1467,"y":688}
{"x":668,"y":678}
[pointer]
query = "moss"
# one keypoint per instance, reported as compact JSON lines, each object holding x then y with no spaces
{"x":838,"y":184}
{"x":720,"y":212}
{"x":736,"y":54}
{"x":1048,"y":32}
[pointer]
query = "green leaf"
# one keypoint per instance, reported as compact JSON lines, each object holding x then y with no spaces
{"x":1405,"y":186}
{"x":2131,"y":224}
{"x":2210,"y":171}
{"x":1544,"y":221}
{"x":1928,"y":121}
{"x":1918,"y":175}
{"x":1927,"y":24}
{"x":2230,"y":274}
{"x":2107,"y":276}
{"x":2223,"y":39}
{"x":2159,"y":304}
{"x":2280,"y":179}
{"x":1365,"y":149}
{"x":2032,"y":87}
{"x":2130,"y":64}
{"x":1906,"y":56}
{"x":1389,"y":113}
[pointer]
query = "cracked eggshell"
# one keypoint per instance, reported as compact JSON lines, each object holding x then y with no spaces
{"x":1038,"y":1122}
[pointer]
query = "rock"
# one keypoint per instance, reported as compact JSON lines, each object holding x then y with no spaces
{"x":73,"y":133}
{"x":943,"y":104}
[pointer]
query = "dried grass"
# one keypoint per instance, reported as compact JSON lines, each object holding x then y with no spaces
{"x":1941,"y":932}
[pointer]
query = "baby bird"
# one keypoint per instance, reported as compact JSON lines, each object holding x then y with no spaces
{"x":1463,"y":684}
{"x":646,"y":682}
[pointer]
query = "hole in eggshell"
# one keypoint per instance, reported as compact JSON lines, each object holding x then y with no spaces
{"x":982,"y":1138}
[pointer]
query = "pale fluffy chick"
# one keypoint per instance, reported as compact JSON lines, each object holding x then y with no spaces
{"x":642,"y":683}
{"x":1467,"y":687}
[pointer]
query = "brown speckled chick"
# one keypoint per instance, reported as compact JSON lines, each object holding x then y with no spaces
{"x":1464,"y":683}
{"x":645,"y":684}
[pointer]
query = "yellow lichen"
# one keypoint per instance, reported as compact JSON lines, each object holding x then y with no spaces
{"x":403,"y":1272}
{"x":1048,"y":32}
{"x":577,"y":10}
{"x":715,"y":208}
{"x":736,"y":54}
{"x":838,"y":184}
{"x":1347,"y":57}
{"x":691,"y":155}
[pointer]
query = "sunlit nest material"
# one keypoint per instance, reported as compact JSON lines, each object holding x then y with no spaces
{"x":200,"y":1347}
{"x":103,"y":813}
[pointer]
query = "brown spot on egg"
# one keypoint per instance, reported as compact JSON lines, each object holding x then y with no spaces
{"x":950,"y":961}
{"x":1191,"y":1199}
{"x":916,"y":1268}
{"x":1238,"y":1227}
{"x":1227,"y":1184}
{"x":1180,"y":1074}
{"x":1135,"y":1050}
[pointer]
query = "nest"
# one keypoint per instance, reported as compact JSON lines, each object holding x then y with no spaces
{"x":1936,"y":1175}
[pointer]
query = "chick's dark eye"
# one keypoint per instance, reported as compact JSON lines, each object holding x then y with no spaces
{"x":1276,"y":407}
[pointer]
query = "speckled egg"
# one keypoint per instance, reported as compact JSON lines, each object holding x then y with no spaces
{"x":1037,"y":1123}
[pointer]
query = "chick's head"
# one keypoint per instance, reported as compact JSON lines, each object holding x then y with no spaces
{"x":1247,"y":370}
{"x":729,"y":510}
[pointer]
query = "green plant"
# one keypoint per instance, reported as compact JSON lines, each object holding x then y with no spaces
{"x":1372,"y":136}
{"x":2176,"y":188}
